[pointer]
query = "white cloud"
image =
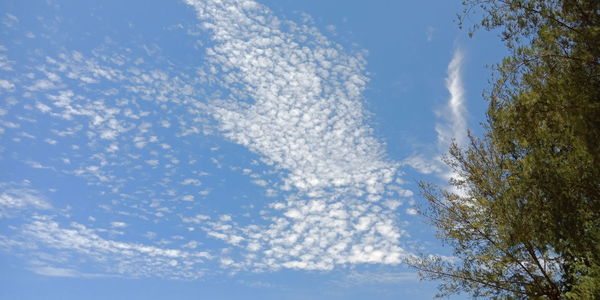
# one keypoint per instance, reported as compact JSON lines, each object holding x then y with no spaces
{"x":114,"y":258}
{"x":197,"y":219}
{"x":289,"y":95}
{"x":452,"y":124}
{"x":17,"y":198}
{"x":455,"y":127}
{"x":7,"y":85}
{"x":9,"y":20}
{"x":152,"y":162}
{"x":41,"y":84}
{"x":357,"y":278}
{"x":411,"y":211}
{"x":429,"y":32}
{"x":191,"y":181}
{"x":305,"y":119}
{"x":423,"y":164}
{"x":306,"y":116}
{"x":187,"y":198}
{"x":62,"y":272}
{"x":118,"y":224}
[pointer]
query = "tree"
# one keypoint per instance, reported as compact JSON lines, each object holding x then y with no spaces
{"x":525,"y":222}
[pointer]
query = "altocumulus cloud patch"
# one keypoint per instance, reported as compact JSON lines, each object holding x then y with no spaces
{"x":122,"y":131}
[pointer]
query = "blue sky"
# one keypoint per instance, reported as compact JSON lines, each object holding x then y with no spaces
{"x":230,"y":149}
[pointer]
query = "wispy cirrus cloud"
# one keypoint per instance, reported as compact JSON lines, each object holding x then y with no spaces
{"x":455,"y":126}
{"x":451,"y":126}
{"x":16,"y":198}
{"x":51,"y":271}
{"x":356,"y":278}
{"x":110,"y":256}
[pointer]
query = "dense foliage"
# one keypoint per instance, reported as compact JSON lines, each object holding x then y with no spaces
{"x":524,"y":214}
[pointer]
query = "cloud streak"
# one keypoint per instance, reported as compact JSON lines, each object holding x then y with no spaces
{"x":112,"y":257}
{"x":455,"y":127}
{"x":451,"y":126}
{"x":16,"y":198}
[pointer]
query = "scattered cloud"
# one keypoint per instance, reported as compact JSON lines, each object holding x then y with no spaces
{"x":118,"y":224}
{"x":285,"y":92}
{"x":9,"y":20}
{"x":15,"y":198}
{"x":411,"y":211}
{"x":305,"y":119}
{"x":7,"y":85}
{"x":423,"y":164}
{"x":114,"y":258}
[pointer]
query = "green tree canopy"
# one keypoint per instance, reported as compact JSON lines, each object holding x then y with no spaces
{"x":526,"y":220}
